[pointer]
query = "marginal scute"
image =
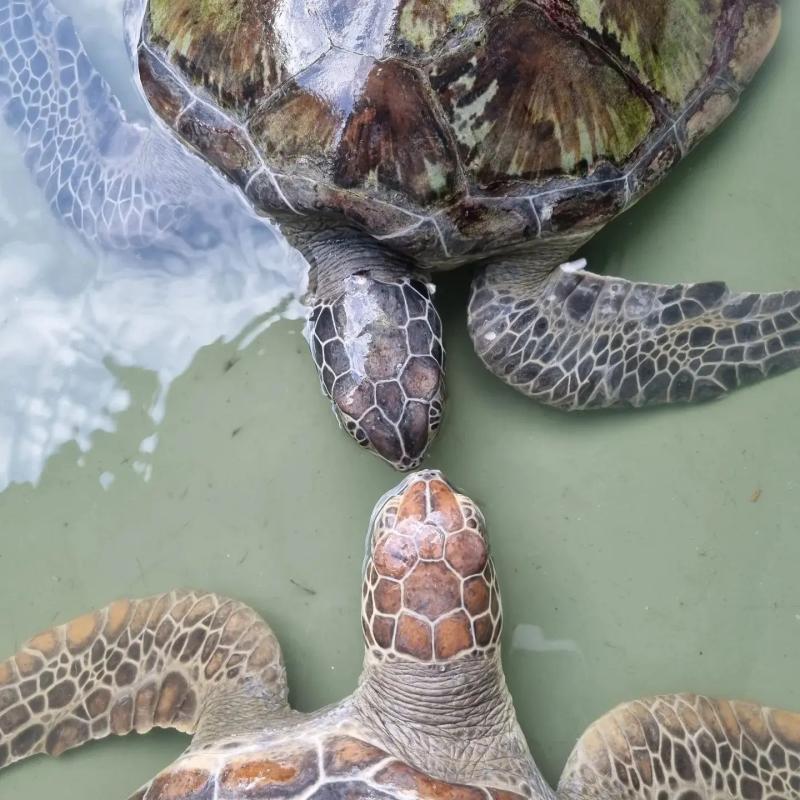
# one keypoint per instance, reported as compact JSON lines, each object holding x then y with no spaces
{"x":760,"y":28}
{"x":182,"y":784}
{"x":752,"y":720}
{"x":518,"y":113}
{"x":712,"y":112}
{"x":223,"y":144}
{"x":280,"y":775}
{"x":669,"y":42}
{"x":503,"y":794}
{"x":346,"y":755}
{"x":6,"y":673}
{"x":403,"y":777}
{"x":116,"y":618}
{"x":66,"y":735}
{"x":297,"y":128}
{"x":167,"y":96}
{"x":348,"y":790}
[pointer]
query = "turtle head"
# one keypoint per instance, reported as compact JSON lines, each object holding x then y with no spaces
{"x":429,"y":592}
{"x":380,"y":359}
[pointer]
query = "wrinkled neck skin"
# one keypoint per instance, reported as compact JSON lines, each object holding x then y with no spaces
{"x":454,"y":722}
{"x":334,"y":253}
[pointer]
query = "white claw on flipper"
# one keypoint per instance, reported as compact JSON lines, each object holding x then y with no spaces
{"x":575,"y":266}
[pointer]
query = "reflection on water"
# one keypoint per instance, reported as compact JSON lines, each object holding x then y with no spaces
{"x":69,"y":312}
{"x":532,"y":638}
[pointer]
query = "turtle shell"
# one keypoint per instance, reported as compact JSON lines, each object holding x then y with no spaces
{"x":450,"y":128}
{"x":317,"y":764}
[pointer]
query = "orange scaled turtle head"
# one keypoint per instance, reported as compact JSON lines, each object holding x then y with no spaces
{"x":430,"y":593}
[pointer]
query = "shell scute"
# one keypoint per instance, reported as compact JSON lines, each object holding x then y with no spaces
{"x":425,"y":27}
{"x":451,"y":129}
{"x":402,"y":777}
{"x":394,"y":140}
{"x":278,"y":775}
{"x":301,"y":125}
{"x":346,"y":755}
{"x":670,"y":43}
{"x":182,"y":784}
{"x":527,"y":101}
{"x":237,"y":50}
{"x":222,"y":142}
{"x":349,"y":790}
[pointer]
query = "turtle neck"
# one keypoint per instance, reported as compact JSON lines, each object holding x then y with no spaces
{"x":453,"y":721}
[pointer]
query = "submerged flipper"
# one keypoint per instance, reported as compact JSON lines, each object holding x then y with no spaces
{"x":119,"y":184}
{"x":686,"y":747}
{"x":181,"y":660}
{"x":576,"y":340}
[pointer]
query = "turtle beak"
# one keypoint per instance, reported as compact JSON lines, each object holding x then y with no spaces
{"x":428,"y":497}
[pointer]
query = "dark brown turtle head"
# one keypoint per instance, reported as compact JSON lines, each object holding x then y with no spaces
{"x":378,"y":350}
{"x":430,"y":593}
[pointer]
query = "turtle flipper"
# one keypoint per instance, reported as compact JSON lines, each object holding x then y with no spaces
{"x":686,"y":747}
{"x":119,"y":184}
{"x":375,"y":336}
{"x":576,"y":340}
{"x":182,"y":660}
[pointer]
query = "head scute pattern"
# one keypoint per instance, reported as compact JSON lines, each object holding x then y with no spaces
{"x":429,"y":591}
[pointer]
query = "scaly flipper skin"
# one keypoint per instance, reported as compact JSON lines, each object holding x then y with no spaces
{"x":575,"y":340}
{"x":120,"y":185}
{"x":176,"y":660}
{"x":686,"y":747}
{"x":376,"y":338}
{"x":431,"y":718}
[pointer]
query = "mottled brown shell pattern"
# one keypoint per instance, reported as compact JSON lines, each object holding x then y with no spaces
{"x":430,"y":592}
{"x":450,"y":127}
{"x":338,"y":766}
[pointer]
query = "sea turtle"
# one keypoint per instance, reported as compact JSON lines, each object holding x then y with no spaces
{"x":392,"y":138}
{"x":431,"y":718}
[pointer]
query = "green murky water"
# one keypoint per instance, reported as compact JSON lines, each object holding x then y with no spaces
{"x":638,"y":553}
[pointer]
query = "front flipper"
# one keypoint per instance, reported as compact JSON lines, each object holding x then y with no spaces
{"x":376,"y":340}
{"x":181,"y":660}
{"x":576,"y":340}
{"x":119,"y":184}
{"x":686,"y":747}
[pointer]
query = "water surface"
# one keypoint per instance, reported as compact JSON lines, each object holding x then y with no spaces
{"x":147,"y":448}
